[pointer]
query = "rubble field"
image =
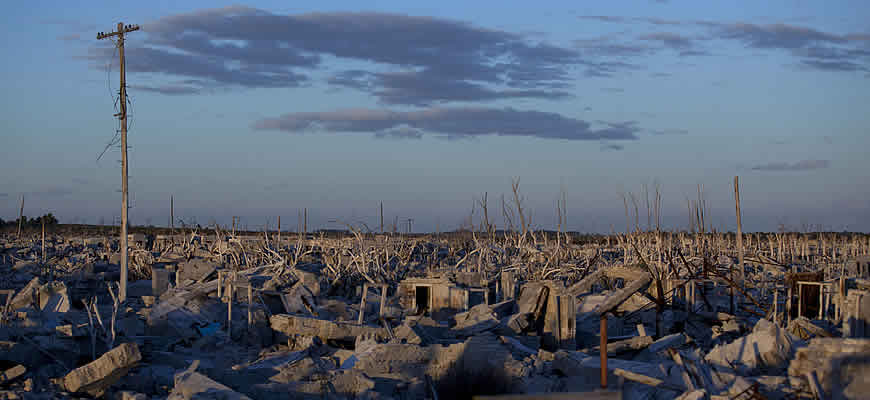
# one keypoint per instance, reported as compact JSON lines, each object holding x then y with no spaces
{"x":221,"y":314}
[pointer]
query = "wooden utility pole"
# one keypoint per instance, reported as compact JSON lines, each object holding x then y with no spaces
{"x":43,"y":239}
{"x":739,"y":237}
{"x":121,"y":30}
{"x":172,"y":213}
{"x":20,"y":217}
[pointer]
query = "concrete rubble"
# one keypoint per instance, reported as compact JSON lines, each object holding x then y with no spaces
{"x":261,"y":316}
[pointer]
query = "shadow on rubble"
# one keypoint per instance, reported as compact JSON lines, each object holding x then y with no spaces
{"x":471,"y":376}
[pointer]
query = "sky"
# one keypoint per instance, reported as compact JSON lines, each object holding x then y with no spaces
{"x":259,"y":110}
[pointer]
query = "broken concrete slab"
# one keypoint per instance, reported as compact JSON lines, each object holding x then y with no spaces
{"x":842,"y":366}
{"x":624,"y":346}
{"x":572,"y":363}
{"x":95,"y":377}
{"x":13,"y":373}
{"x":805,"y":329}
{"x":669,"y":341}
{"x":478,"y":319}
{"x":587,"y":283}
{"x":327,"y":330}
{"x":26,"y":296}
{"x":768,"y":346}
{"x":191,"y":385}
{"x":196,"y":270}
{"x":621,"y":295}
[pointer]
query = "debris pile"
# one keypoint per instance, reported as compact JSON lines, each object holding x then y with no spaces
{"x":384,"y":317}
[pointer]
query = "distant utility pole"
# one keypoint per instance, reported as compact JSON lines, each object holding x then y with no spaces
{"x":20,"y":217}
{"x":382,"y":217}
{"x":410,"y":221}
{"x":122,"y":29}
{"x":172,"y":213}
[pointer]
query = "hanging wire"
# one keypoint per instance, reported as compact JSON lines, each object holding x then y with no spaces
{"x":116,"y":136}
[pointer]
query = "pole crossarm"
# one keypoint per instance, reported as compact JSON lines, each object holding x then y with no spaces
{"x":122,"y":29}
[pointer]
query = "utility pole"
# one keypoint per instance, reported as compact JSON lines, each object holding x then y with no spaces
{"x":172,"y":213}
{"x":739,"y":238}
{"x":20,"y":217}
{"x":382,"y":217}
{"x":122,"y":29}
{"x":410,"y":221}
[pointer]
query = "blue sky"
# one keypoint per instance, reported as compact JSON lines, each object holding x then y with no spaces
{"x":258,"y":110}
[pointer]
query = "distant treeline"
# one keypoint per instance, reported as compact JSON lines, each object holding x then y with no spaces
{"x":49,"y":219}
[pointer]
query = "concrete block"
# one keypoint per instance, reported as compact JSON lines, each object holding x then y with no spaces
{"x":95,"y":377}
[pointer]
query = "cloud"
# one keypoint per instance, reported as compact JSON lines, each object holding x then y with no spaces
{"x":400,"y":132}
{"x":669,"y":39}
{"x":776,"y":36}
{"x":671,"y":132}
{"x":813,"y":48}
{"x":604,"y":18}
{"x":405,"y":59}
{"x":457,"y":122}
{"x":174,"y":89}
{"x":422,"y":88}
{"x":803,"y":165}
{"x":4,"y":194}
{"x":612,"y":147}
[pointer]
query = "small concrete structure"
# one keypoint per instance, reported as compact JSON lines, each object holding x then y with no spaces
{"x":859,"y":267}
{"x":856,"y":314}
{"x":137,"y":239}
{"x":159,"y":281}
{"x":421,"y":295}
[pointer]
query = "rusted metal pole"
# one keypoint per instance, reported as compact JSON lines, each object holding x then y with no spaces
{"x":603,"y":351}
